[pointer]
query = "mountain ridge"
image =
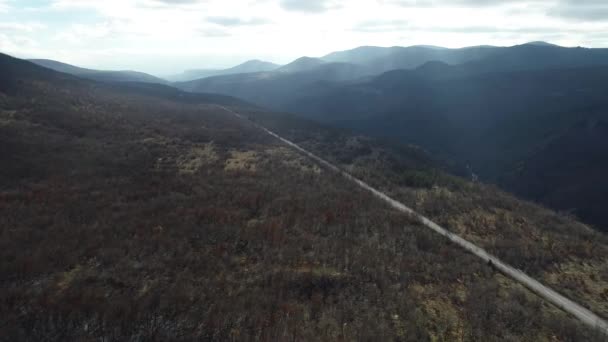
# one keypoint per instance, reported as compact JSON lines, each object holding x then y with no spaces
{"x":99,"y":75}
{"x":250,"y":66}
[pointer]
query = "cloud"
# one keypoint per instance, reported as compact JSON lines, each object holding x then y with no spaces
{"x":402,"y":25}
{"x":82,"y":34}
{"x":109,"y":6}
{"x":169,"y":4}
{"x":18,"y":45}
{"x":213,"y":33}
{"x":4,"y":7}
{"x":381,"y":26}
{"x":235,"y":21}
{"x":463,"y":3}
{"x":112,"y":34}
{"x":180,"y":2}
{"x":13,"y":27}
{"x":309,"y":6}
{"x":575,"y":10}
{"x":587,"y":10}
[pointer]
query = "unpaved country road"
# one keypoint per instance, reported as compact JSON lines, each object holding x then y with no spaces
{"x":578,"y":311}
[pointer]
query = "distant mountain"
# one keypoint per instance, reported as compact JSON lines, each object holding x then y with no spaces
{"x":540,"y":43}
{"x":309,"y":76}
{"x":533,"y":55}
{"x":302,"y":64}
{"x":252,"y":66}
{"x":360,"y":55}
{"x":193,"y":74}
{"x":380,"y":59}
{"x":279,"y":86}
{"x":247,"y":67}
{"x":366,"y":61}
{"x":99,"y":75}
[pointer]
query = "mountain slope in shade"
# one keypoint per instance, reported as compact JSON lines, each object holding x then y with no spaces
{"x":568,"y":171}
{"x":247,"y":67}
{"x":494,"y":122}
{"x":99,"y":75}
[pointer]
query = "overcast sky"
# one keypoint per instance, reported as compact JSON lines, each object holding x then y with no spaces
{"x":167,"y":36}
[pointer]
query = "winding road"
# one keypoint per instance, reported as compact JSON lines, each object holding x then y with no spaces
{"x":567,"y":305}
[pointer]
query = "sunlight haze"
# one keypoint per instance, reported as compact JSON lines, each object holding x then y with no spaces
{"x":169,"y":36}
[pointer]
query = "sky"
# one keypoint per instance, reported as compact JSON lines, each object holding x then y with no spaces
{"x":163,"y":37}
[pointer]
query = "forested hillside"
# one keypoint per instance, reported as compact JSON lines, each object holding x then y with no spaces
{"x":556,"y":249}
{"x":138,"y":213}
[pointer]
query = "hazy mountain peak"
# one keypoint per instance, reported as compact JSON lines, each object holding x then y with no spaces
{"x":254,"y":65}
{"x":361,"y":54}
{"x":256,"y":62}
{"x":540,"y":43}
{"x":434,"y":47}
{"x":302,"y":64}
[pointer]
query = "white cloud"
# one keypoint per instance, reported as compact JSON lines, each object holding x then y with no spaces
{"x":164,"y":36}
{"x":4,"y":7}
{"x":310,"y":6}
{"x":21,"y":27}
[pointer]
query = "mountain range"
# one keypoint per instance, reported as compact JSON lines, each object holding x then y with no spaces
{"x":493,"y":110}
{"x":246,"y":67}
{"x":99,"y":75}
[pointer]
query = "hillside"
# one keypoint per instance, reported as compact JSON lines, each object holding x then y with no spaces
{"x":99,"y":75}
{"x":555,"y":248}
{"x":146,"y":216}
